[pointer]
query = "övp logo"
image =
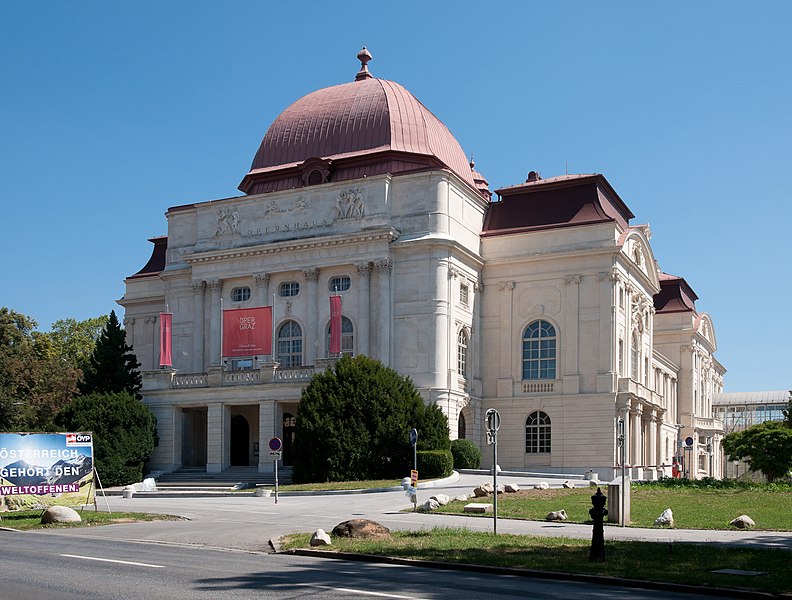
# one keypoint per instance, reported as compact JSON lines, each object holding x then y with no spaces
{"x":79,"y":439}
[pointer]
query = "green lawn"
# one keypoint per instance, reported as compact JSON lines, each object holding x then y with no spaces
{"x":677,"y":563}
{"x":31,"y":519}
{"x":693,"y":508}
{"x":340,"y":485}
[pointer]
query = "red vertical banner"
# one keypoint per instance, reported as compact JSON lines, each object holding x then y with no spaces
{"x":166,"y":340}
{"x":335,"y":324}
{"x":247,"y":331}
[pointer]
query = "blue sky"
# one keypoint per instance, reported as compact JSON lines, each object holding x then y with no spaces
{"x":110,"y":113}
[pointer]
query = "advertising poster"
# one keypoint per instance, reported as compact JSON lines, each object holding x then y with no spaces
{"x":42,"y":469}
{"x":247,"y":331}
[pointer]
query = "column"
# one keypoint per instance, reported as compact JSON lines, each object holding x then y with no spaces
{"x":214,"y":437}
{"x":608,"y":345}
{"x":475,"y":356}
{"x":311,"y":336}
{"x":636,"y":430}
{"x":198,"y":326}
{"x":651,"y":441}
{"x":262,"y":283}
{"x":384,"y":300}
{"x":364,"y":308}
{"x":129,"y":331}
{"x":266,"y":433}
{"x":215,"y":319}
{"x":506,"y":324}
{"x":572,"y":324}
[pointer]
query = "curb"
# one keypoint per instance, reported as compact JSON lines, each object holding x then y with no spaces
{"x":600,"y":579}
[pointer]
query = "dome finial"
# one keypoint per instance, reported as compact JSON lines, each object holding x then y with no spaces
{"x":363,"y":56}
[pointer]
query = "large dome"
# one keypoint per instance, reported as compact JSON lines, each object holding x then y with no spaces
{"x":367,"y":127}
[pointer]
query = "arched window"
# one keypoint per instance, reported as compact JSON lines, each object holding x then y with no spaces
{"x":635,"y":357}
{"x":290,"y":344}
{"x":537,"y":433}
{"x":462,"y":347}
{"x":539,"y":351}
{"x":347,"y":338}
{"x":461,"y":427}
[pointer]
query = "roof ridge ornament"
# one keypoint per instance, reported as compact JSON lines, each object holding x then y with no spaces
{"x":364,"y":56}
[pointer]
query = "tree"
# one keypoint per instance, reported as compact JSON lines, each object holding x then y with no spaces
{"x":766,"y":447}
{"x":353,"y":423}
{"x":17,"y":358}
{"x":112,"y":366}
{"x":124,"y":433}
{"x":75,"y":340}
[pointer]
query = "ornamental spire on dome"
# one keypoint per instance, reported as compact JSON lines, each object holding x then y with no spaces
{"x":363,"y":56}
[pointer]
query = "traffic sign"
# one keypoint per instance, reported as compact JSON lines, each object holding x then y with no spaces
{"x":275,"y":454}
{"x":493,"y":419}
{"x":413,"y":477}
{"x":275,"y":444}
{"x":413,"y":436}
{"x":688,"y":441}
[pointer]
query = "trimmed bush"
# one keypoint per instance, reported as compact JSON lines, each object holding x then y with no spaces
{"x":124,"y":433}
{"x":433,"y":464}
{"x":466,"y":454}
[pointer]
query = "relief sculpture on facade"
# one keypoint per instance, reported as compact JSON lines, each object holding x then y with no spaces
{"x":350,"y":205}
{"x":227,"y":221}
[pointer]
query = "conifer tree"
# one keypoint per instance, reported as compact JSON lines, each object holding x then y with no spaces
{"x":113,"y":367}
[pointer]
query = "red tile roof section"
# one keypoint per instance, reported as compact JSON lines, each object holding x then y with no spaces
{"x":350,"y":121}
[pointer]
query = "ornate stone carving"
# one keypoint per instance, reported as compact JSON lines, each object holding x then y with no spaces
{"x":506,"y":285}
{"x":227,"y":221}
{"x":611,"y":275}
{"x":570,"y":279}
{"x":363,"y":269}
{"x":453,"y":272}
{"x":273,"y":208}
{"x":350,"y":205}
{"x":539,"y":309}
{"x":214,"y":284}
{"x":384,"y":265}
{"x":311,"y":274}
{"x":198,"y":286}
{"x":262,"y":279}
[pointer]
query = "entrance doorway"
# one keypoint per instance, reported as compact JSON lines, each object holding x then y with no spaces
{"x":289,"y":427}
{"x":194,"y":437}
{"x":240,"y":442}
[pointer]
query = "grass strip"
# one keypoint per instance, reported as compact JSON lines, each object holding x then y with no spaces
{"x":340,"y":485}
{"x":680,"y":563}
{"x":31,"y":519}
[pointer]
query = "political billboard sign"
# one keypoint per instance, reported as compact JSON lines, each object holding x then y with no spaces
{"x":42,"y":469}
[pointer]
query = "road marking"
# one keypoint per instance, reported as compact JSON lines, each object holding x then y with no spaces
{"x":110,"y":560}
{"x":361,"y":592}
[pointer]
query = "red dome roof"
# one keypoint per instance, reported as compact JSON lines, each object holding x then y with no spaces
{"x":365,"y":127}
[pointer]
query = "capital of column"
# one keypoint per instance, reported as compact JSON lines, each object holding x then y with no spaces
{"x":506,"y":285}
{"x":608,"y":275}
{"x":453,"y":272}
{"x":198,"y":286}
{"x":214,"y":285}
{"x":262,"y":279}
{"x":128,"y":322}
{"x":383,"y":265}
{"x":570,"y":279}
{"x":478,"y":287}
{"x":637,"y":408}
{"x":363,"y":269}
{"x":311,"y":274}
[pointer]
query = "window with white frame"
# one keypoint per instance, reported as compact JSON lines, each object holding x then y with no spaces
{"x":290,"y":344}
{"x":537,"y":433}
{"x":462,"y":349}
{"x":240,"y":294}
{"x":347,"y":338}
{"x":539,"y":351}
{"x":464,"y":294}
{"x":288,"y":289}
{"x":635,"y":357}
{"x":339,"y":284}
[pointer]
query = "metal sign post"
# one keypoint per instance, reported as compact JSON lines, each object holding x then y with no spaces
{"x":414,"y":480}
{"x":622,"y":447}
{"x":275,"y":446}
{"x":493,"y":424}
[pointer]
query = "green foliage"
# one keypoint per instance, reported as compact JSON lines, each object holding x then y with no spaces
{"x":466,"y":454}
{"x":766,"y":447}
{"x":433,"y":464}
{"x":124,"y":433}
{"x":112,"y":366}
{"x":75,"y":340}
{"x":353,"y":423}
{"x":712,"y":484}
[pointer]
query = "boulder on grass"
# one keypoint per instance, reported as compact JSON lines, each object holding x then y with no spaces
{"x":441,"y":499}
{"x":511,"y":488}
{"x":60,"y":514}
{"x":430,"y":505}
{"x":320,"y":538}
{"x":360,"y":528}
{"x":485,"y":489}
{"x":557,"y":515}
{"x":461,"y":498}
{"x":666,"y":518}
{"x":742,"y":522}
{"x":568,"y":485}
{"x":542,"y":485}
{"x":594,"y":483}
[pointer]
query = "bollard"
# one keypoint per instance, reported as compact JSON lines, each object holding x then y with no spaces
{"x":597,"y":515}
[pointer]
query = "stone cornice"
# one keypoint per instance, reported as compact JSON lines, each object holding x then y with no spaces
{"x":380,"y":235}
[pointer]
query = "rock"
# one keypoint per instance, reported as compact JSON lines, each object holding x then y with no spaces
{"x":501,"y":488}
{"x":242,"y":486}
{"x":485,"y":489}
{"x":742,"y":522}
{"x":568,"y":485}
{"x":511,"y":488}
{"x":320,"y":538}
{"x":666,"y":518}
{"x":60,"y":514}
{"x":441,"y":499}
{"x":594,"y":483}
{"x":542,"y":485}
{"x":149,"y":485}
{"x":360,"y":528}
{"x":430,"y":505}
{"x":557,"y":515}
{"x":461,"y":498}
{"x":497,"y":467}
{"x":406,"y":482}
